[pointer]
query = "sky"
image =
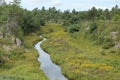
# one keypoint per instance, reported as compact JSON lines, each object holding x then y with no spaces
{"x":79,"y":5}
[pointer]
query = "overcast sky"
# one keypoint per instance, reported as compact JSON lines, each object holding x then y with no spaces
{"x":79,"y":5}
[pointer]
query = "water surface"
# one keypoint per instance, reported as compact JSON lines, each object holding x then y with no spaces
{"x":51,"y":70}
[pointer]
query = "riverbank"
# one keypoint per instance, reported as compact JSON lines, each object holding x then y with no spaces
{"x":22,"y":63}
{"x":51,"y":70}
{"x":79,"y":58}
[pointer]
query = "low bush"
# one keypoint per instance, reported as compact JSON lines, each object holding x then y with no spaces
{"x":107,"y":45}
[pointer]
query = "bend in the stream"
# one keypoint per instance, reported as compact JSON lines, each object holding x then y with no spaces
{"x":51,"y":70}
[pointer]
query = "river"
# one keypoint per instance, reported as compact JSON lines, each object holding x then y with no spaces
{"x":51,"y":70}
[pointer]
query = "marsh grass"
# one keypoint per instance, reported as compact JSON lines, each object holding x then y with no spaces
{"x":79,"y":58}
{"x":21,"y":63}
{"x":4,"y":77}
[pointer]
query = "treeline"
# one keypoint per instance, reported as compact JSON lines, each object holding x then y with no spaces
{"x":30,"y":21}
{"x":102,"y":27}
{"x":68,"y":17}
{"x":19,"y":22}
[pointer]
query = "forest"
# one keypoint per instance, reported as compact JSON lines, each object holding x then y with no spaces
{"x":85,"y":44}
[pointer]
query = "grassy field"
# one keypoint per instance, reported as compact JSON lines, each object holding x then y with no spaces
{"x":79,"y":58}
{"x":21,"y":63}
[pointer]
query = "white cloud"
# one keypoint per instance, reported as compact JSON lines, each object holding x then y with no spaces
{"x":53,"y":2}
{"x":35,"y":1}
{"x":56,"y":3}
{"x":8,"y":1}
{"x":30,"y":1}
{"x":88,"y":6}
{"x":38,"y":1}
{"x":68,"y":4}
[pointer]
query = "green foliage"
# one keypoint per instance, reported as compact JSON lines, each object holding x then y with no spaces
{"x":4,"y":77}
{"x":5,"y":41}
{"x":16,"y":2}
{"x":78,"y":57}
{"x":108,"y":45}
{"x":92,"y":13}
{"x":29,"y":23}
{"x":51,"y":30}
{"x":116,"y":18}
{"x":93,"y":27}
{"x":74,"y":28}
{"x":20,"y":63}
{"x":1,"y":59}
{"x":19,"y":33}
{"x":42,"y":21}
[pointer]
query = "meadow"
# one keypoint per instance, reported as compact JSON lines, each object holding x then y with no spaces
{"x":21,"y":62}
{"x":79,"y":58}
{"x":85,"y":44}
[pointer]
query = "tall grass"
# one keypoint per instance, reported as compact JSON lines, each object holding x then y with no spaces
{"x":20,"y":63}
{"x":78,"y":57}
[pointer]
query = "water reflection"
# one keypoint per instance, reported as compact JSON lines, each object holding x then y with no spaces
{"x":52,"y":71}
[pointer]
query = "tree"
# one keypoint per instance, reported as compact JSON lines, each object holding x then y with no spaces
{"x":100,"y":14}
{"x":2,"y":2}
{"x":93,"y":27}
{"x":115,"y":10}
{"x":92,"y":13}
{"x":116,"y":18}
{"x":16,"y":2}
{"x":107,"y":15}
{"x":74,"y":28}
{"x":74,"y":11}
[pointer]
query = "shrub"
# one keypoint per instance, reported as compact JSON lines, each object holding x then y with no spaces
{"x":51,"y":30}
{"x":118,"y":51}
{"x":93,"y":27}
{"x":102,"y":52}
{"x":1,"y":55}
{"x":108,"y":45}
{"x":74,"y":28}
{"x":112,"y":51}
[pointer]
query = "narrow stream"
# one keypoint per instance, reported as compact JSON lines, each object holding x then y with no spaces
{"x":51,"y":70}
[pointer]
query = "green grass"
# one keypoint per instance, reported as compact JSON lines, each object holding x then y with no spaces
{"x":78,"y":57}
{"x":21,"y":63}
